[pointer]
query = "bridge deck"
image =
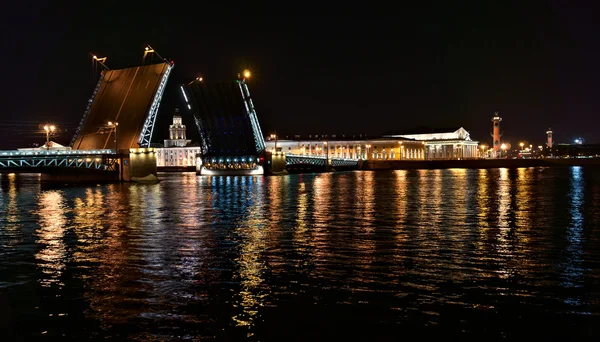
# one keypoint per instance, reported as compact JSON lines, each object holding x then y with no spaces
{"x":125,"y":96}
{"x":223,"y":119}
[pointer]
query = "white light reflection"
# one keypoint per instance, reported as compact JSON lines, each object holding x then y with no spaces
{"x":503,"y":240}
{"x":572,"y":268}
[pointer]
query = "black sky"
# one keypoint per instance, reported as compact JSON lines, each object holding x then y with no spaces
{"x":317,"y":69}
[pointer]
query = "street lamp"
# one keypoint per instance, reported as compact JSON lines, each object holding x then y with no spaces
{"x":503,"y":147}
{"x":101,"y":61}
{"x":273,"y":136}
{"x":49,"y":130}
{"x":521,"y":144}
{"x":246,"y":73}
{"x":482,"y":151}
{"x":114,"y":125}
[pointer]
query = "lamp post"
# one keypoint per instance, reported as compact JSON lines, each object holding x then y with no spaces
{"x":273,"y":136}
{"x":49,"y":130}
{"x":114,"y":125}
{"x":400,"y":149}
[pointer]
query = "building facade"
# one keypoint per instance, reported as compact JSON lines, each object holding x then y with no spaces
{"x":380,"y":148}
{"x":177,"y":132}
{"x":175,"y":152}
{"x":453,"y":143}
{"x":425,"y":145}
{"x":177,"y":156}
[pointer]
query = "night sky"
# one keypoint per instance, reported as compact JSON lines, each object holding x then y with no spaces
{"x":318,"y":70}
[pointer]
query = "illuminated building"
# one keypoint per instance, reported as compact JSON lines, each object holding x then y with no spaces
{"x":176,"y":153}
{"x":451,"y":143}
{"x":177,"y":132}
{"x":350,"y":148}
{"x":421,"y":145}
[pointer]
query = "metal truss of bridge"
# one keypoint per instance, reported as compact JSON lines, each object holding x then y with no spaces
{"x":103,"y":152}
{"x":128,"y":96}
{"x":39,"y":161}
{"x":320,"y":161}
{"x":231,"y":141}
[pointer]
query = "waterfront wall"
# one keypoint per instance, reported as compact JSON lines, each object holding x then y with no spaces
{"x":474,"y":163}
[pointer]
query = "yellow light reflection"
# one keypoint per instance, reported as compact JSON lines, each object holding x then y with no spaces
{"x":400,"y":214}
{"x":52,"y":225}
{"x":302,"y":216}
{"x":322,"y":212}
{"x":253,"y":233}
{"x":12,"y":212}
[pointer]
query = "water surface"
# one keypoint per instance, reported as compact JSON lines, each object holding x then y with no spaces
{"x":498,"y":253}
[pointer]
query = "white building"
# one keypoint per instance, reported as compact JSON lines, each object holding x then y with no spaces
{"x":453,"y":143}
{"x":351,"y":148}
{"x":177,"y":156}
{"x":420,"y":145}
{"x":176,"y":153}
{"x":177,"y":132}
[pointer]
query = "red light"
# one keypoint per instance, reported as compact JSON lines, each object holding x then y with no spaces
{"x":262,"y":158}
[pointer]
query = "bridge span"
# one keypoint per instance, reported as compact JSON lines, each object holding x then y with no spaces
{"x":231,"y":141}
{"x":112,"y":141}
{"x":128,"y":99}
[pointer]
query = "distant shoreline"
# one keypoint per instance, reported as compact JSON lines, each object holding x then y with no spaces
{"x":475,"y":163}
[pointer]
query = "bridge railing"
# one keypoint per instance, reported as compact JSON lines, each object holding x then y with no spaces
{"x":104,"y":160}
{"x":321,"y":157}
{"x":19,"y":153}
{"x":320,"y":160}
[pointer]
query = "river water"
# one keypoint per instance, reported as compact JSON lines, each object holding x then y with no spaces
{"x":385,"y":255}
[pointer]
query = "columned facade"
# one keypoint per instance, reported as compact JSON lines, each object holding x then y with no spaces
{"x":176,"y":156}
{"x":382,"y":149}
{"x":453,"y":143}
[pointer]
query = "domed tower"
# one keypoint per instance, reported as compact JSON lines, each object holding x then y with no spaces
{"x":549,"y":134}
{"x":496,"y":133}
{"x":177,"y":132}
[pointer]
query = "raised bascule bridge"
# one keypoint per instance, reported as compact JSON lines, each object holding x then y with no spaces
{"x":231,"y":140}
{"x":112,"y":142}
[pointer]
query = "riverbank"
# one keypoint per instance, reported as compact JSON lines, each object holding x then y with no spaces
{"x":176,"y":168}
{"x":475,"y":163}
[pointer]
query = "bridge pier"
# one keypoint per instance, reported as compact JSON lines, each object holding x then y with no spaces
{"x":276,"y":163}
{"x":137,"y":165}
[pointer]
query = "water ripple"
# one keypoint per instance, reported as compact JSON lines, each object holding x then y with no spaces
{"x":494,"y":253}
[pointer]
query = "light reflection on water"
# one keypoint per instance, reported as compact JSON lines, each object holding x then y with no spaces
{"x":499,"y":252}
{"x":52,"y":224}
